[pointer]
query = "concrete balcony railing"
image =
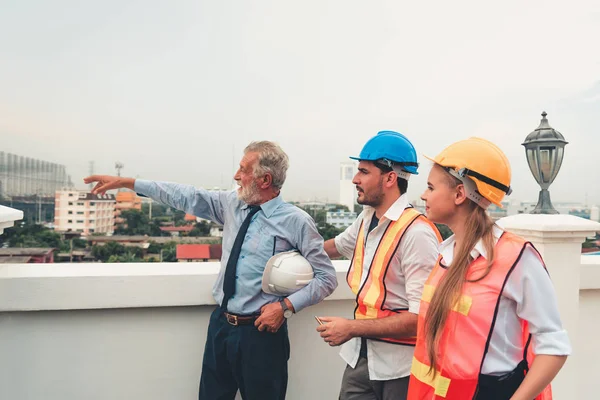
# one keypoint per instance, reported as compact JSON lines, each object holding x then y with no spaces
{"x":137,"y":331}
{"x":8,"y":216}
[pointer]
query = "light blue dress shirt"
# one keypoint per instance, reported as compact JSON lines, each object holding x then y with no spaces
{"x":278,"y":227}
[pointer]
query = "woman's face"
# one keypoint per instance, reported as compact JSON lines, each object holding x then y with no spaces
{"x":440,"y":196}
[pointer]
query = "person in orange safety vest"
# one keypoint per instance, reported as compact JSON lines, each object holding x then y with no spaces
{"x":488,"y":327}
{"x":392,"y":248}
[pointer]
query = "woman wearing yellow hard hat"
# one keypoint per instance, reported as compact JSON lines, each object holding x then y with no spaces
{"x":489,"y":326}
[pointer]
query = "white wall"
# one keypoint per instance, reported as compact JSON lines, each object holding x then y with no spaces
{"x":141,"y":353}
{"x":98,"y":331}
{"x":137,"y":331}
{"x":588,"y":356}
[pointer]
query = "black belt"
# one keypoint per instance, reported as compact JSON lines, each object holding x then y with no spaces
{"x":235,"y":320}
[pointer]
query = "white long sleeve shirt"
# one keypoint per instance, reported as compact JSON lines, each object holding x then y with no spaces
{"x":415,"y":258}
{"x":528,"y":295}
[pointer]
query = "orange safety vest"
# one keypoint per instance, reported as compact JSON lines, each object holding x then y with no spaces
{"x":370,"y":296}
{"x":465,"y":340}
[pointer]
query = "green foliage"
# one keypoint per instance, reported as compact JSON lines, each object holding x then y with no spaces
{"x":154,"y":248}
{"x":444,"y":231}
{"x":79,"y":243}
{"x":201,"y":229}
{"x":328,"y":231}
{"x":105,"y":251}
{"x":179,"y":218}
{"x":31,"y":236}
{"x":137,"y":223}
{"x":169,"y":252}
{"x":158,"y":210}
{"x":116,"y":252}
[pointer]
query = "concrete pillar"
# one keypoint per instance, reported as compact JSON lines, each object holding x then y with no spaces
{"x":8,"y":216}
{"x":558,"y":238}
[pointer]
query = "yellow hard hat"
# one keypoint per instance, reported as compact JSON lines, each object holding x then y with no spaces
{"x":483,"y":162}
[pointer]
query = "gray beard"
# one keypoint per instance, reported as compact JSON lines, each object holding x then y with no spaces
{"x":249,"y":195}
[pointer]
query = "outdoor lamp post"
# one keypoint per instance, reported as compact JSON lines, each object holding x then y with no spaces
{"x":544,"y":148}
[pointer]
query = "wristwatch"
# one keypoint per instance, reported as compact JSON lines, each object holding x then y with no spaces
{"x":286,"y":311}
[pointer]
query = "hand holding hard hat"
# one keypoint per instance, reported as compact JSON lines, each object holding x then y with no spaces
{"x":286,"y":273}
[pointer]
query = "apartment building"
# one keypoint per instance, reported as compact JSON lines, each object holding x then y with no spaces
{"x":340,"y":219}
{"x":84,"y":212}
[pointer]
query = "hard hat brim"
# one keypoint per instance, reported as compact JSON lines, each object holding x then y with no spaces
{"x":498,"y":204}
{"x":265,"y":279}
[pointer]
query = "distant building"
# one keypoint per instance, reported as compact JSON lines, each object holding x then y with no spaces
{"x":84,"y":212}
{"x":498,"y":212}
{"x":347,"y":188}
{"x":340,"y":219}
{"x":316,"y":205}
{"x":17,"y":255}
{"x":177,"y":230}
{"x":190,"y":218}
{"x":25,"y":176}
{"x":216,"y":230}
{"x":126,"y":201}
{"x":36,"y":209}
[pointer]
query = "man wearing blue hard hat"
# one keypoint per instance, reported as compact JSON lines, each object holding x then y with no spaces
{"x":392,"y":248}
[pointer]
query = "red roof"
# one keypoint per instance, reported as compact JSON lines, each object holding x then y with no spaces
{"x":193,"y":251}
{"x":189,"y":217}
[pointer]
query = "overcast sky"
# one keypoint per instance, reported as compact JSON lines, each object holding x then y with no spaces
{"x":176,"y":89}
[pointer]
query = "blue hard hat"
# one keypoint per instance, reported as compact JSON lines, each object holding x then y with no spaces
{"x":390,"y":148}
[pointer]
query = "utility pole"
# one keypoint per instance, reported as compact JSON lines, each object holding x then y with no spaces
{"x":119,"y":166}
{"x":39,"y":207}
{"x":91,"y":173}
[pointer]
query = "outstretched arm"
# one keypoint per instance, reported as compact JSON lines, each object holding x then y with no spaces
{"x":195,"y":201}
{"x":105,"y":183}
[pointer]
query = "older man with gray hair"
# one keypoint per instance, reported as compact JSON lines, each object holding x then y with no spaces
{"x":247,"y":346}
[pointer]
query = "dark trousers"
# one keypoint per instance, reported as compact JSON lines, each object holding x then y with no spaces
{"x":501,"y":387}
{"x":356,"y":385}
{"x":241,"y":357}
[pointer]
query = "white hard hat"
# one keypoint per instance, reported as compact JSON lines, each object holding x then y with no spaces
{"x":286,"y":273}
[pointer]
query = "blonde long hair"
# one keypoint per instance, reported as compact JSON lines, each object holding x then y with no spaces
{"x":478,"y":226}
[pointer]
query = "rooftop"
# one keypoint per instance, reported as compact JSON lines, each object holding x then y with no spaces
{"x":137,"y":331}
{"x":30,"y":251}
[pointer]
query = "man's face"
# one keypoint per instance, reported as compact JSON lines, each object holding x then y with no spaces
{"x":248,"y":191}
{"x":369,"y":184}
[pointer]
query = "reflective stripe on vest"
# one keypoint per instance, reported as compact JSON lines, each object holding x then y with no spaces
{"x":467,"y":332}
{"x":370,"y":296}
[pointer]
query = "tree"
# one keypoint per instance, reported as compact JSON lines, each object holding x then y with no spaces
{"x":202,"y":228}
{"x":444,"y":231}
{"x":31,"y":235}
{"x":158,"y":210}
{"x":169,"y":253}
{"x":328,"y":231}
{"x":136,"y":223}
{"x":104,"y":252}
{"x":179,"y":218}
